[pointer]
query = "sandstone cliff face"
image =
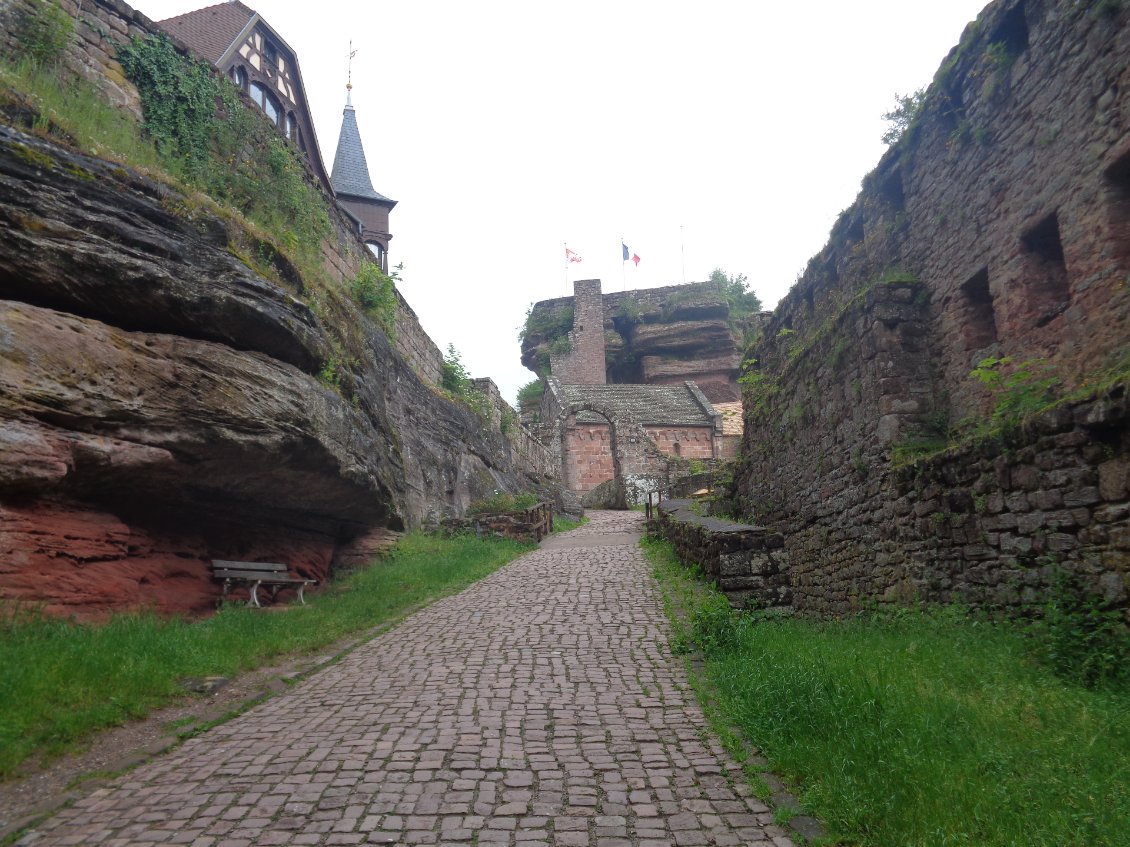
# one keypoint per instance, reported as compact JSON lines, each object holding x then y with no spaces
{"x":659,"y":336}
{"x":160,"y":402}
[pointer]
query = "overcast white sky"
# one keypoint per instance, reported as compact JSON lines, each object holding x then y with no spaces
{"x":735,"y":130}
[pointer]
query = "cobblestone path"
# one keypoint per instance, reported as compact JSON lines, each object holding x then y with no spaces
{"x":538,"y":707}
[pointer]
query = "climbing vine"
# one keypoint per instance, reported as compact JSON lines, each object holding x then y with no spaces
{"x":206,"y":136}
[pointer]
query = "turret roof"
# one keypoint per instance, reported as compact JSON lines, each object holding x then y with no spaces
{"x":350,"y":176}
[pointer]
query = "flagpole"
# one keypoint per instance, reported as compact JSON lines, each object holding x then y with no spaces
{"x":683,"y":253}
{"x":566,"y":268}
{"x":623,"y":268}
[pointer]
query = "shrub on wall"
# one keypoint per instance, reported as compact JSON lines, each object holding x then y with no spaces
{"x":43,"y":31}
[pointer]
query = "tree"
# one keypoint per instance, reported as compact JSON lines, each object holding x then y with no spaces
{"x":900,"y":118}
{"x":735,"y":289}
{"x":454,"y":377}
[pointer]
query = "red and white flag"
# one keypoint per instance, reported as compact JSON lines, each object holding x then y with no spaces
{"x":570,"y":256}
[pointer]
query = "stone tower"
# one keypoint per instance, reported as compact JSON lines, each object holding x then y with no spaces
{"x":584,"y":363}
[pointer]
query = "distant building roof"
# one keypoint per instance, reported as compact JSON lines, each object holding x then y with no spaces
{"x":350,"y":174}
{"x":212,"y":30}
{"x":670,"y":405}
{"x":732,"y":423}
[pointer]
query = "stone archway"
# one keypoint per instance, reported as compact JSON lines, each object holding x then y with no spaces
{"x":628,"y":443}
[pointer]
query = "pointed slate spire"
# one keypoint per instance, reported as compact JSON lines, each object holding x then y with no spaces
{"x":351,"y":172}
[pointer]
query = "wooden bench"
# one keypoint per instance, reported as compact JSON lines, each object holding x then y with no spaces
{"x":271,"y":574}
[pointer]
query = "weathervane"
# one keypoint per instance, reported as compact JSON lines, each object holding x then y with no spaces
{"x":349,"y":76}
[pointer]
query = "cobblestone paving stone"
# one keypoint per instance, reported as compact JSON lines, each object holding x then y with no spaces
{"x":538,"y":707}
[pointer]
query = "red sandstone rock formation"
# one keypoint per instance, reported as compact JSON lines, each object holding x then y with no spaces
{"x":160,"y":404}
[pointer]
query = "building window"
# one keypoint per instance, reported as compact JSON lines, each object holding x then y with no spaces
{"x":378,"y":252}
{"x":980,"y":323}
{"x":292,"y":127}
{"x":239,"y":77}
{"x":1045,"y":271}
{"x":266,"y":101}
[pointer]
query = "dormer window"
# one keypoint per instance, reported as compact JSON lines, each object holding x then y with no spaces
{"x":266,"y":101}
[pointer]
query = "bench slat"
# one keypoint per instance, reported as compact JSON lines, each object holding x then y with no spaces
{"x":259,"y":573}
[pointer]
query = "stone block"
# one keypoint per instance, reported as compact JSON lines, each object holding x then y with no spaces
{"x":1086,"y":496}
{"x":1114,"y":478}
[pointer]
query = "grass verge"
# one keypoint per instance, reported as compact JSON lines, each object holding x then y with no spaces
{"x":561,"y":524}
{"x":60,"y":682}
{"x":916,"y":728}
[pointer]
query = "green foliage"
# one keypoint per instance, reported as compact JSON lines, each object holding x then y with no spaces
{"x":502,"y":501}
{"x":60,"y":681}
{"x":1021,"y":388}
{"x":630,"y":310}
{"x":43,"y":31}
{"x":207,"y":137}
{"x":561,"y":346}
{"x":901,"y":118}
{"x":1081,"y":639}
{"x":913,"y":727}
{"x":736,"y":291}
{"x":453,"y":376}
{"x":507,"y":421}
{"x":456,"y":381}
{"x":331,"y":373}
{"x":546,"y":324}
{"x":375,"y":292}
{"x":530,"y":394}
{"x":561,"y":524}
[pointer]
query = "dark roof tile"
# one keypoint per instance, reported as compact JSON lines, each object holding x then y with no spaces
{"x":209,"y":31}
{"x":671,"y":405}
{"x":350,"y":175}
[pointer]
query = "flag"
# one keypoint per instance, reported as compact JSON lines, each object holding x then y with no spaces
{"x":570,"y":256}
{"x":625,"y":246}
{"x":636,"y":259}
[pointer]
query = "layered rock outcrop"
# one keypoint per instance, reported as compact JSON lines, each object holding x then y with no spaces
{"x":161,"y":403}
{"x":659,"y":336}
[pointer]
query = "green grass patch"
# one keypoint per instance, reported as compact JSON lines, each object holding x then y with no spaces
{"x":60,"y":682}
{"x":561,"y":524}
{"x":918,"y":727}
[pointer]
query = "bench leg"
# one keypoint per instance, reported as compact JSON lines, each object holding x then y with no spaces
{"x":301,"y":592}
{"x":255,"y":595}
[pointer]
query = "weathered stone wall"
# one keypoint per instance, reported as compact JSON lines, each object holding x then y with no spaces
{"x":589,"y":451}
{"x":528,"y":449}
{"x":748,"y":563}
{"x":996,"y":227}
{"x":588,"y":456}
{"x":99,"y":27}
{"x":531,"y":524}
{"x":688,"y":442}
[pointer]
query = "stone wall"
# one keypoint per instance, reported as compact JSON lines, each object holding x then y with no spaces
{"x":531,"y":524}
{"x":99,"y":27}
{"x":997,"y":227}
{"x":748,"y":563}
{"x":527,"y":448}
